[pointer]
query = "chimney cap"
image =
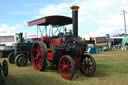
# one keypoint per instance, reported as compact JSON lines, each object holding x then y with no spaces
{"x":75,"y":8}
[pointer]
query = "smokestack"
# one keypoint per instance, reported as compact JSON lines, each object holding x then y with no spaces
{"x":21,"y":37}
{"x":75,"y":20}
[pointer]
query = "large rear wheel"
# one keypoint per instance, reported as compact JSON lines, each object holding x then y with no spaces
{"x":67,"y":67}
{"x":88,"y":65}
{"x":39,"y":56}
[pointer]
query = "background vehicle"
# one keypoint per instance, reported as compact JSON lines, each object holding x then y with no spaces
{"x":22,"y":51}
{"x":65,"y":50}
{"x":7,"y":41}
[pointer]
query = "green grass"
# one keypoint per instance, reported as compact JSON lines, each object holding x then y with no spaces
{"x":111,"y":69}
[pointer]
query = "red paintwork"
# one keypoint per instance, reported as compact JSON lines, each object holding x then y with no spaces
{"x":53,"y":44}
{"x":35,"y":22}
{"x":86,"y":66}
{"x":63,"y":39}
{"x":55,"y":47}
{"x":37,"y":61}
{"x":56,"y":42}
{"x":65,"y":68}
{"x":49,"y":54}
{"x":84,"y":42}
{"x":51,"y":20}
{"x":45,"y":39}
{"x":77,"y":40}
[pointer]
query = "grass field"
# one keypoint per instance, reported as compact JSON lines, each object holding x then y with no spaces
{"x":111,"y":69}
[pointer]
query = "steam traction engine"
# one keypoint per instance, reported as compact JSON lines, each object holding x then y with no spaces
{"x":66,"y":50}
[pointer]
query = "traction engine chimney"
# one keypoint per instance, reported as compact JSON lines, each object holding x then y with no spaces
{"x":21,"y":37}
{"x":75,"y":20}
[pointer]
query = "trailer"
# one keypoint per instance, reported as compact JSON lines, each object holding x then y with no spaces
{"x":7,"y":41}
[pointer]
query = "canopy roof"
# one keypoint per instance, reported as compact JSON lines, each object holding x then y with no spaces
{"x":51,"y":20}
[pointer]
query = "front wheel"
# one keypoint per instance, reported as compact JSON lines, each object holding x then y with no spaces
{"x":67,"y":67}
{"x":21,"y":60}
{"x":88,"y":65}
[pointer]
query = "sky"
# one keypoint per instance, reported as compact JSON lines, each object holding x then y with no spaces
{"x":96,"y":17}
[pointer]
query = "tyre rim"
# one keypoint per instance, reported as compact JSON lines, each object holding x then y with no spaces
{"x":22,"y":61}
{"x":87,"y":66}
{"x":11,"y":58}
{"x":5,"y":68}
{"x":65,"y":68}
{"x":37,"y":56}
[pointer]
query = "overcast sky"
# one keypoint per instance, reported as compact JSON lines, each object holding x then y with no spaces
{"x":96,"y":17}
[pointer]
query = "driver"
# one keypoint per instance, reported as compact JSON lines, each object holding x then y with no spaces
{"x":60,"y":34}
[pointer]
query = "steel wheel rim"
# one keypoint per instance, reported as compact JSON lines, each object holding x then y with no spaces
{"x":87,"y":66}
{"x":22,"y":61}
{"x":11,"y":58}
{"x":5,"y":68}
{"x":37,"y":54}
{"x":65,"y":68}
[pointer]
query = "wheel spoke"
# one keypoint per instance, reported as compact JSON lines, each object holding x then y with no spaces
{"x":35,"y":58}
{"x":70,"y":73}
{"x":63,"y":61}
{"x":66,"y":67}
{"x":36,"y":63}
{"x":87,"y":68}
{"x":83,"y":65}
{"x":68,"y":62}
{"x":90,"y":65}
{"x":40,"y":51}
{"x":65,"y":73}
{"x":69,"y":69}
{"x":35,"y":50}
{"x":38,"y":57}
{"x":62,"y":64}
